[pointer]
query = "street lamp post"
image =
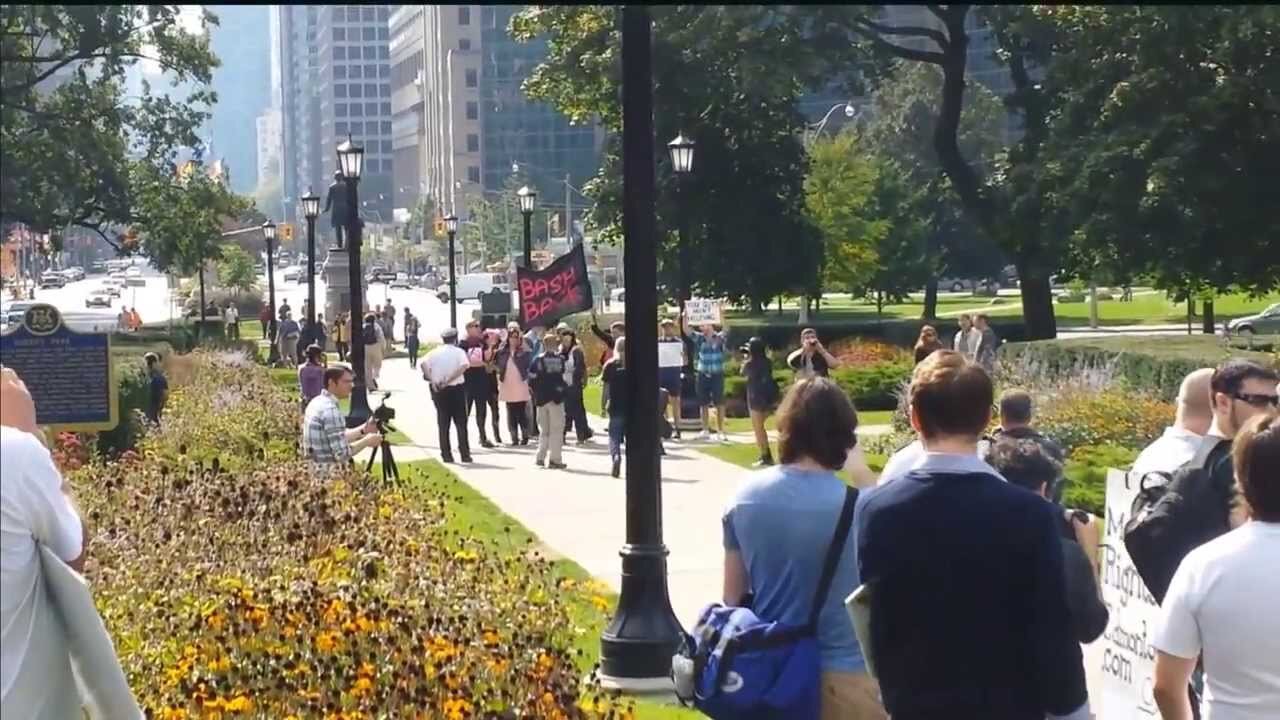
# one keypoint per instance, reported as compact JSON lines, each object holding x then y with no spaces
{"x":849,"y":111}
{"x":351,"y":163}
{"x":311,"y":210}
{"x":451,"y":227}
{"x":636,"y":647}
{"x":681,"y":149}
{"x":527,"y":198}
{"x":269,"y":232}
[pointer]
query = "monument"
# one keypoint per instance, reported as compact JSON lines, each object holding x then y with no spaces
{"x":337,"y":292}
{"x":68,"y":373}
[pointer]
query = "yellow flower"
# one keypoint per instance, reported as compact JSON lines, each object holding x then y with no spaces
{"x":466,"y":555}
{"x":173,"y":713}
{"x":327,"y":641}
{"x":600,"y":602}
{"x":238,"y":704}
{"x":220,"y":664}
{"x":215,"y":621}
{"x":363,"y":686}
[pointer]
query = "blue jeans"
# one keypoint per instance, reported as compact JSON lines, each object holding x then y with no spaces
{"x":617,"y":429}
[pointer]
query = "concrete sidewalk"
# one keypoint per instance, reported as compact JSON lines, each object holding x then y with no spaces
{"x":579,"y":512}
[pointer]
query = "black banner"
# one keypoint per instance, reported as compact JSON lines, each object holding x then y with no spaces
{"x":559,"y":289}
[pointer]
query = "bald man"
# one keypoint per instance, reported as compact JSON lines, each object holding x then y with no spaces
{"x":1180,"y":441}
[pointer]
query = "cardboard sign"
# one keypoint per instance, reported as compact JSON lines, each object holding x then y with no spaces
{"x":1128,"y":662}
{"x":670,"y":354}
{"x":698,"y":312}
{"x":557,"y":290}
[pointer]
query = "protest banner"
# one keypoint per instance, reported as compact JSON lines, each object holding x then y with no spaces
{"x":698,"y":311}
{"x":670,"y":354}
{"x":1127,"y":659}
{"x":557,"y":290}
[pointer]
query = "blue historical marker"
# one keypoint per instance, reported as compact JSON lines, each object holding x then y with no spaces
{"x":68,"y":373}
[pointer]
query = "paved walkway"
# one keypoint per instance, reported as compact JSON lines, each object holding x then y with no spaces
{"x":579,"y":512}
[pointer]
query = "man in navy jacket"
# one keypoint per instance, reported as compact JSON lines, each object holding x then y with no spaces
{"x":969,"y":616}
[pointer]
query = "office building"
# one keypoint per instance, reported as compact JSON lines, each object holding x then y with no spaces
{"x":268,"y":137}
{"x":335,"y":81}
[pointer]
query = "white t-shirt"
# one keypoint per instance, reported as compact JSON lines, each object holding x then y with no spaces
{"x":1223,"y":601}
{"x":32,"y":508}
{"x":232,"y":314}
{"x":1175,"y":448}
{"x":444,"y":361}
{"x":909,"y":458}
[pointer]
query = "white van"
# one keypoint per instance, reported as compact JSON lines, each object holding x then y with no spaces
{"x":471,"y":285}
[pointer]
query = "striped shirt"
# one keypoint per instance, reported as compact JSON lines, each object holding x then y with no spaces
{"x":323,"y":431}
{"x":710,"y":353}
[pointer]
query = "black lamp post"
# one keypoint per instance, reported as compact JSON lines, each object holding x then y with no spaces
{"x":681,"y":149}
{"x":527,"y":198}
{"x":269,"y":232}
{"x":636,"y":647}
{"x":311,"y":210}
{"x":351,"y":163}
{"x":451,"y":227}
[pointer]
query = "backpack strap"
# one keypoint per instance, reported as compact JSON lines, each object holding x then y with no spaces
{"x":1208,"y":448}
{"x":833,"y":555}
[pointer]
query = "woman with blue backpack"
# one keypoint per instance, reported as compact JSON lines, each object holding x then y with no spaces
{"x":784,"y":645}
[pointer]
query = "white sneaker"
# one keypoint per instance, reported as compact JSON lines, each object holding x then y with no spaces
{"x":722,"y":437}
{"x":704,"y":435}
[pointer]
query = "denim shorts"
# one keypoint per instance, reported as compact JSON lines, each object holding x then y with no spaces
{"x":710,"y":389}
{"x":669,"y":380}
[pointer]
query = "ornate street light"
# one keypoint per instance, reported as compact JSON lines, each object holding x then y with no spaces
{"x":527,"y":198}
{"x":269,"y":232}
{"x":311,"y":210}
{"x":351,"y":164}
{"x":681,"y":149}
{"x":451,"y":227}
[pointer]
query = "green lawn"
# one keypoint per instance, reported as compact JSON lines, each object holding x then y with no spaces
{"x":744,"y":454}
{"x":473,"y":515}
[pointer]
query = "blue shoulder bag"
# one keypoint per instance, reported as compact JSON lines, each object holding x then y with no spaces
{"x":736,"y":665}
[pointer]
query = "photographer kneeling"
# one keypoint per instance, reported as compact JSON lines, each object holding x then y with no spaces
{"x":325,"y":437}
{"x":1028,"y":463}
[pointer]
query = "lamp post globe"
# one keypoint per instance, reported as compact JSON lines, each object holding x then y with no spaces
{"x":681,"y":149}
{"x":311,"y":210}
{"x":528,"y":198}
{"x":451,"y":227}
{"x":351,"y":164}
{"x":269,"y":233}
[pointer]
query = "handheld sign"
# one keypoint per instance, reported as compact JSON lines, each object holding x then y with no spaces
{"x":699,"y":311}
{"x":670,"y":354}
{"x":68,"y":373}
{"x":1126,"y":667}
{"x":559,"y":289}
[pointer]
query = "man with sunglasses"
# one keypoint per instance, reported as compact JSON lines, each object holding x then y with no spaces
{"x":1239,"y":391}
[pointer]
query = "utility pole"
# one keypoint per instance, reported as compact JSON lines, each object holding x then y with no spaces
{"x":568,"y":210}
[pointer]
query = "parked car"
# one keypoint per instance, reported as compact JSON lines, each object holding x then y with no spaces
{"x":1265,"y":322}
{"x":401,"y":281}
{"x":472,"y":285}
{"x":14,"y":312}
{"x":52,"y":279}
{"x":73,"y":274}
{"x":113,"y":286}
{"x":292,"y":273}
{"x":100,"y":297}
{"x":963,"y":284}
{"x":381,"y":276}
{"x":97,"y":267}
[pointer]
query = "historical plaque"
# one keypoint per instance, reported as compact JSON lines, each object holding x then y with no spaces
{"x":68,"y":373}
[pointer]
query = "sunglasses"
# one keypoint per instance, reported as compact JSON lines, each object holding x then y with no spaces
{"x":1259,"y":400}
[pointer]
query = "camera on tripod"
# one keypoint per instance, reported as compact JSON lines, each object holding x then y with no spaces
{"x":384,"y":414}
{"x":382,"y":417}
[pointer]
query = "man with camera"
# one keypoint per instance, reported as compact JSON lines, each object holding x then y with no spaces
{"x":325,"y":437}
{"x":444,"y":367}
{"x":812,"y":359}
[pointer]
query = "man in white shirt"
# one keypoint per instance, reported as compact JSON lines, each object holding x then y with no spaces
{"x":444,"y":368}
{"x":1222,"y":601}
{"x":325,"y":438}
{"x":231,"y":316}
{"x":967,"y":338}
{"x":1180,"y":440}
{"x":35,"y":669}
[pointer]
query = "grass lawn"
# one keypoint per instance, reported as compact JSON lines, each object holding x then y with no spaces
{"x":471,"y":514}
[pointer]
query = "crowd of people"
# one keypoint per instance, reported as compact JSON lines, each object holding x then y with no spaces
{"x":982,"y":586}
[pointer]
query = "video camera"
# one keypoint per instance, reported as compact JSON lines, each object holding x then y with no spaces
{"x":384,"y":414}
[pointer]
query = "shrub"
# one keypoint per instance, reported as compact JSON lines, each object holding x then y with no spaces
{"x":133,"y":396}
{"x":255,"y":587}
{"x":1110,"y":417}
{"x":1086,"y":474}
{"x":248,"y":302}
{"x":873,"y":387}
{"x":864,"y":351}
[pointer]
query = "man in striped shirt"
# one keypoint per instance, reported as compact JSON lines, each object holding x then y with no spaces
{"x":710,"y":347}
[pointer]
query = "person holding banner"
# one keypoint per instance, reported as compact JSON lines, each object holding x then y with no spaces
{"x":671,"y":361}
{"x":513,"y":383}
{"x":710,"y":347}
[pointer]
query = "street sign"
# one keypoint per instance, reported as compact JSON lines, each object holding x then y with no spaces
{"x":68,"y":373}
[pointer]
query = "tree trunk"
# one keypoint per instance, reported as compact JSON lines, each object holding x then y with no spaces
{"x":1208,"y":317}
{"x":879,"y":306}
{"x":779,"y":304}
{"x":1037,"y":305}
{"x":930,"y":298}
{"x":200,"y":321}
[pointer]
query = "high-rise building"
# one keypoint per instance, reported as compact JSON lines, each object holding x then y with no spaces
{"x":459,"y":110}
{"x":335,"y":81}
{"x":268,"y":125}
{"x":241,"y":40}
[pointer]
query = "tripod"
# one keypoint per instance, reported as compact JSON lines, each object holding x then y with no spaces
{"x":389,"y":470}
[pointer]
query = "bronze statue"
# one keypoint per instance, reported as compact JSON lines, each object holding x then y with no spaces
{"x":338,"y":200}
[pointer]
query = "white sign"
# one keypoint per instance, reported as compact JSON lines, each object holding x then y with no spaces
{"x":1127,"y":659}
{"x":701,"y":312}
{"x":669,"y":354}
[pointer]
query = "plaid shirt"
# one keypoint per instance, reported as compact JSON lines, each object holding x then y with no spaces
{"x":323,"y":431}
{"x":710,"y":353}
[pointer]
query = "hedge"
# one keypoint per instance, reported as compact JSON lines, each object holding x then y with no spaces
{"x":1152,"y":364}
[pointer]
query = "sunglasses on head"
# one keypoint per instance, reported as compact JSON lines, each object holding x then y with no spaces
{"x":1260,"y":400}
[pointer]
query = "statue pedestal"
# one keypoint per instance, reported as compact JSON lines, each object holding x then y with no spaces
{"x":337,"y":285}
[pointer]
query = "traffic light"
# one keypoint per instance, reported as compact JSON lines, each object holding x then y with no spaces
{"x":439,"y":227}
{"x":286,"y":231}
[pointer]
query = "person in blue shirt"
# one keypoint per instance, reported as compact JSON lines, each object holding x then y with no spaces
{"x":777,"y":530}
{"x":969,"y":615}
{"x":159,"y":387}
{"x":709,"y":352}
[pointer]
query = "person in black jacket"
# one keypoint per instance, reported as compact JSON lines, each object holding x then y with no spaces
{"x":1030,"y":464}
{"x":968,"y":597}
{"x":575,"y":411}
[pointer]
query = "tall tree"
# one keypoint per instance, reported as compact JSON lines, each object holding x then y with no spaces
{"x":235,"y":269}
{"x":903,"y":261}
{"x":728,"y":77}
{"x":69,"y":135}
{"x":838,"y":199}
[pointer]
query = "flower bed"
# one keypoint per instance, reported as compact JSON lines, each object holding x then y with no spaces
{"x":237,"y":582}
